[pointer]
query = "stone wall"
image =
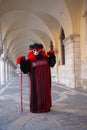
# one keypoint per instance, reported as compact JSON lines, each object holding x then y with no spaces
{"x":84,"y":70}
{"x":70,"y":73}
{"x":83,"y":79}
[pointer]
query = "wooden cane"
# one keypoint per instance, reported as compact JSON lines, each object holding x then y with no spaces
{"x":21,"y":98}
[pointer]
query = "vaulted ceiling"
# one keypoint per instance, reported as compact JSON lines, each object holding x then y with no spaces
{"x":24,"y":22}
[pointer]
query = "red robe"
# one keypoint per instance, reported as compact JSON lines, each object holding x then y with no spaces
{"x":40,"y":88}
{"x":40,"y":78}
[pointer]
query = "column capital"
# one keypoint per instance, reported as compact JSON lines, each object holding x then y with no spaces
{"x":85,"y":14}
{"x":4,"y":56}
{"x":71,"y":39}
{"x":1,"y":51}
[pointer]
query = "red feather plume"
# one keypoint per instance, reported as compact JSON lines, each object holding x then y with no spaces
{"x":19,"y":59}
{"x":31,"y":56}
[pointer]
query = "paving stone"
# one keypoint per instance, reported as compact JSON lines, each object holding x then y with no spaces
{"x":68,"y":112}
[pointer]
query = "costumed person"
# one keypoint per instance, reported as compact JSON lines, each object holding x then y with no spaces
{"x":37,"y":65}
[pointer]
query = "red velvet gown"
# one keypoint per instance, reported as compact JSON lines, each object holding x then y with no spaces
{"x":40,"y":86}
{"x":40,"y":79}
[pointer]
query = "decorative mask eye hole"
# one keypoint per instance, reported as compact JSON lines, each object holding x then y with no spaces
{"x":35,"y":52}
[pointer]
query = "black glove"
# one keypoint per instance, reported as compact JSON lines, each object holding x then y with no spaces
{"x":51,"y":58}
{"x":25,"y":65}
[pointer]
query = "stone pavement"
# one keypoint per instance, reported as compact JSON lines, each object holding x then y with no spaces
{"x":68,"y":112}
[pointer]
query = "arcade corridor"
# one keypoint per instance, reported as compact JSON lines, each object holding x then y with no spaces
{"x":68,"y":112}
{"x":60,"y":25}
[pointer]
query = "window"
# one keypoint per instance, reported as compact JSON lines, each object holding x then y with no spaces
{"x":62,"y":37}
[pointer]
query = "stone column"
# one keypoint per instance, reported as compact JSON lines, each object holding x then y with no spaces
{"x":1,"y":44}
{"x":72,"y":61}
{"x":11,"y":71}
{"x":85,"y":18}
{"x":54,"y":70}
{"x":84,"y":63}
{"x":6,"y":66}
{"x":4,"y":58}
{"x":0,"y":70}
{"x":7,"y":70}
{"x":2,"y":74}
{"x":3,"y":66}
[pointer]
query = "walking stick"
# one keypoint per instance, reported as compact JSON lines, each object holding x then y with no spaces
{"x":21,"y":101}
{"x":28,"y":90}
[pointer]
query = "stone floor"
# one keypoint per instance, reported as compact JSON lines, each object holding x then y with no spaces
{"x":68,"y":112}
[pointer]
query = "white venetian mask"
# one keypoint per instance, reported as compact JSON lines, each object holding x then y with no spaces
{"x":36,"y":52}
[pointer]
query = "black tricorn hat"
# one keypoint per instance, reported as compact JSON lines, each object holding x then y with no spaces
{"x":36,"y":46}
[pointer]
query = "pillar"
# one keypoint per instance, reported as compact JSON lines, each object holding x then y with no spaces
{"x":84,"y":63}
{"x":85,"y":17}
{"x":0,"y":70}
{"x":2,"y":63}
{"x":72,"y":61}
{"x":6,"y":72}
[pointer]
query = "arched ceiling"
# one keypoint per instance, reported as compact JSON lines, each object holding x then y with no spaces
{"x":24,"y":22}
